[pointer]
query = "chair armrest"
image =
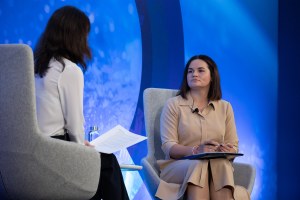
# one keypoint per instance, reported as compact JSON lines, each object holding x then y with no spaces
{"x":80,"y":167}
{"x":51,"y":169}
{"x":150,"y":175}
{"x":244,"y":175}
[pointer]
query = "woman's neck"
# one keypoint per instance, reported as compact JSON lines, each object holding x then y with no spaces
{"x":199,"y":95}
{"x":200,"y":98}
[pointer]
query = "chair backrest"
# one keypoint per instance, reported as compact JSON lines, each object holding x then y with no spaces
{"x":17,"y":98}
{"x":17,"y":107}
{"x":154,"y":101}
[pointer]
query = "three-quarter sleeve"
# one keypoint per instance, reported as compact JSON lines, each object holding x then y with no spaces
{"x":168,"y":127}
{"x":230,"y":132}
{"x":70,"y":88}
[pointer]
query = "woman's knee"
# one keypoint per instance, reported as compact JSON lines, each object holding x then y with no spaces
{"x":225,"y":193}
{"x":195,"y":192}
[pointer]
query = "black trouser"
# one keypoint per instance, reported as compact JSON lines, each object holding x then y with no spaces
{"x":111,"y":184}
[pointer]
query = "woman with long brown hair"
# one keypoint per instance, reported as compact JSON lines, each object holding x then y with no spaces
{"x":60,"y":60}
{"x":195,"y":121}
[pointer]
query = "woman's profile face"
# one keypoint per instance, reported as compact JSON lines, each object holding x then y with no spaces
{"x":198,"y":75}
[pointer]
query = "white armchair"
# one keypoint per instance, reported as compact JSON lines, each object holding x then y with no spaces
{"x":154,"y":100}
{"x":33,"y":166}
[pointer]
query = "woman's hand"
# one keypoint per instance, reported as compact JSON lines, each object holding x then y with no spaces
{"x":211,"y":146}
{"x":86,"y":143}
{"x":227,"y":148}
{"x":208,"y":146}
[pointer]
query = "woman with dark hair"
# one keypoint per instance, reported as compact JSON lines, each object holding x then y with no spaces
{"x":198,"y":121}
{"x":60,"y":60}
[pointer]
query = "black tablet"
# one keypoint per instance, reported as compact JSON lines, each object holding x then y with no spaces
{"x":212,"y":155}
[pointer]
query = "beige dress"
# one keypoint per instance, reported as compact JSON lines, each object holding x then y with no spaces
{"x":180,"y":126}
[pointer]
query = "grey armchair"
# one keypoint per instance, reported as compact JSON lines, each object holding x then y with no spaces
{"x":154,"y":100}
{"x":33,"y":166}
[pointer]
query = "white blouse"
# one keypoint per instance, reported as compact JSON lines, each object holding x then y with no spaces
{"x":59,"y":100}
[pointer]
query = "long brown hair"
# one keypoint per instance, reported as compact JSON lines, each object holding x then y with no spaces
{"x":65,"y":36}
{"x":215,"y":92}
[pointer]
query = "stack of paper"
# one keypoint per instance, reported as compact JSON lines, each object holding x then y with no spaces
{"x":116,"y":139}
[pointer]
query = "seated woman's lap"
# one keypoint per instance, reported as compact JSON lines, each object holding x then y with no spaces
{"x":177,"y":171}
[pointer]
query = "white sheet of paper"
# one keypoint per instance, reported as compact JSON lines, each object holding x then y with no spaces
{"x":116,"y":139}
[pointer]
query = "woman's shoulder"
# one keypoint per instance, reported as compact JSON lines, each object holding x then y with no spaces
{"x":71,"y":68}
{"x":171,"y":105}
{"x":71,"y":65}
{"x":175,"y":100}
{"x":64,"y":64}
{"x":221,"y":104}
{"x":70,"y":72}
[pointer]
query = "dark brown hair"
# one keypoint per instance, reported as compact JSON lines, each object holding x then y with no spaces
{"x":65,"y":36}
{"x":215,"y":92}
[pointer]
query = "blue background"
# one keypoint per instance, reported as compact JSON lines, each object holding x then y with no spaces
{"x":145,"y":43}
{"x":242,"y":38}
